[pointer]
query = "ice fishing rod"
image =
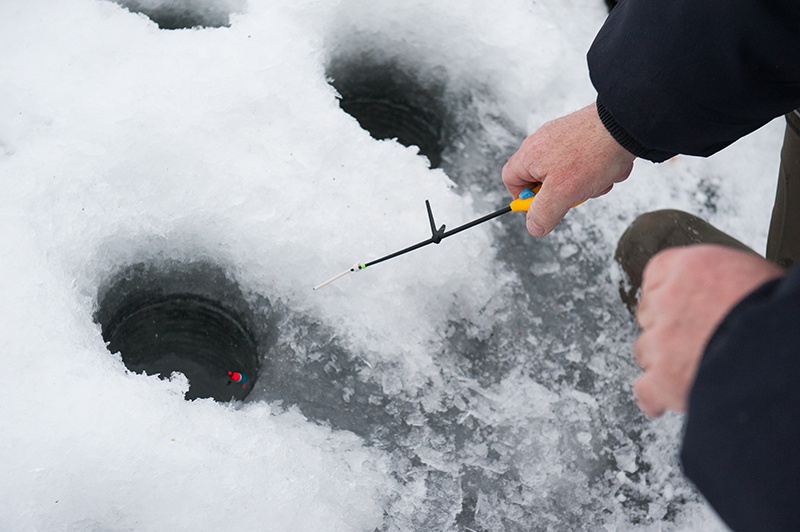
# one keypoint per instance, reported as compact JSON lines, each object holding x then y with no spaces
{"x":521,"y":204}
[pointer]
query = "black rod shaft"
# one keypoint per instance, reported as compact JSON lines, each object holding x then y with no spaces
{"x":473,"y":223}
{"x":398,"y":253}
{"x":442,"y":236}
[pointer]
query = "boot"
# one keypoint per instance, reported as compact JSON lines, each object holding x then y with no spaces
{"x":657,"y":230}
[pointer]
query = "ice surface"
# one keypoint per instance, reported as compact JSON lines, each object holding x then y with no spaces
{"x":481,"y":384}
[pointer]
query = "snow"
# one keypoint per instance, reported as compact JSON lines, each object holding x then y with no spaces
{"x":481,"y":384}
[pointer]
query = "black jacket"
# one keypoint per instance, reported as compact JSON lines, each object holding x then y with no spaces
{"x":742,"y":442}
{"x":691,"y":77}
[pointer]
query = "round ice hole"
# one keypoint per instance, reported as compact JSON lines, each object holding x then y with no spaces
{"x":189,"y":319}
{"x":184,"y":14}
{"x":392,"y":102}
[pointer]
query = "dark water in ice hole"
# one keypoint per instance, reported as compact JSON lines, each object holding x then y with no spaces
{"x":185,"y":14}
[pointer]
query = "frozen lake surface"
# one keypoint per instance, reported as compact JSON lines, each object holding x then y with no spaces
{"x":482,"y":384}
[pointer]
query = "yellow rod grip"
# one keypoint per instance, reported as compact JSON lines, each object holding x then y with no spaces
{"x":522,"y":205}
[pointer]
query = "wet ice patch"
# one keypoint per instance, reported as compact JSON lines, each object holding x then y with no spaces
{"x":545,"y":268}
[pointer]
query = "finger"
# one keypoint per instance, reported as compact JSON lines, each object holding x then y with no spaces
{"x":547,"y":210}
{"x":659,"y":267}
{"x":516,"y":175}
{"x":657,"y":274}
{"x":647,"y":397}
{"x":605,"y":191}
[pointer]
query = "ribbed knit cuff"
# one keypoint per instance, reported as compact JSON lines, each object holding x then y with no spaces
{"x":626,"y":140}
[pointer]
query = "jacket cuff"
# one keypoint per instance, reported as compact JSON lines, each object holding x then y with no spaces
{"x":626,"y":140}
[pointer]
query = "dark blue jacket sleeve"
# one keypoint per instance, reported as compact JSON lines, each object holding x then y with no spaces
{"x":693,"y":76}
{"x":742,"y":442}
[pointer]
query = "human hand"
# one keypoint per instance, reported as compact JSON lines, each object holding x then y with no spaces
{"x":574,"y":158}
{"x":686,"y":293}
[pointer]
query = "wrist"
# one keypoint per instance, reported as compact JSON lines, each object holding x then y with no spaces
{"x":624,"y":138}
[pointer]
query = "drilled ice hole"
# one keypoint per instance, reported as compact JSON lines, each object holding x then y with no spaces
{"x":391,"y":101}
{"x":185,"y":14}
{"x":187,"y":318}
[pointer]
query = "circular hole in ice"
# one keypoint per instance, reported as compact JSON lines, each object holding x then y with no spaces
{"x":185,"y":14}
{"x":391,"y":101}
{"x":186,"y":318}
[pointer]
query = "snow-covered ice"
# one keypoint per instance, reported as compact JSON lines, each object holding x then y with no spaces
{"x":482,"y":384}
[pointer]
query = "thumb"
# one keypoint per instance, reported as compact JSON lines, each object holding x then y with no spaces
{"x":546,"y":211}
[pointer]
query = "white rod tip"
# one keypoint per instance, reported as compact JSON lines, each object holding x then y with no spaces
{"x":332,"y":279}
